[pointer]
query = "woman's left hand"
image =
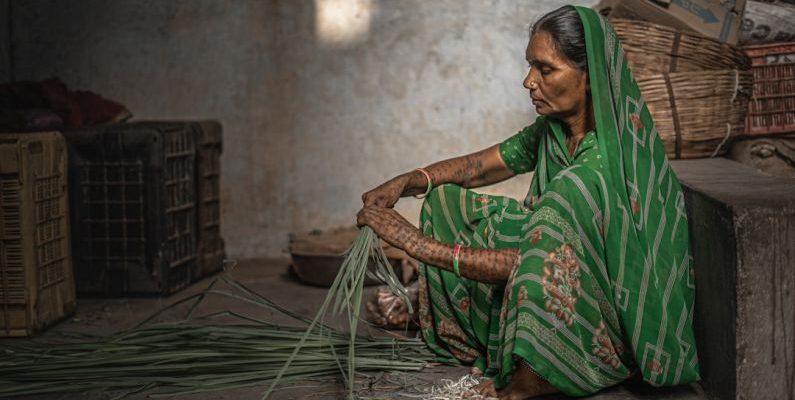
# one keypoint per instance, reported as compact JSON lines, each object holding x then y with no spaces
{"x":389,"y":225}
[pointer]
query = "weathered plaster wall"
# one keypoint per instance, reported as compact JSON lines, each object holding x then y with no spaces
{"x":308,"y":126}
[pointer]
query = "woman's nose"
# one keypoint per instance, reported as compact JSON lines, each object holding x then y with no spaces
{"x":527,"y":79}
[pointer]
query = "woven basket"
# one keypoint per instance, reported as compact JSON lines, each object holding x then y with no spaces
{"x":657,"y":49}
{"x":697,"y":113}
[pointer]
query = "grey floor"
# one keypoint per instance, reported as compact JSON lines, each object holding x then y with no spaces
{"x":274,"y":280}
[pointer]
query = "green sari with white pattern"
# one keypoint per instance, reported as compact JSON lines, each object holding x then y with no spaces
{"x":604,"y":285}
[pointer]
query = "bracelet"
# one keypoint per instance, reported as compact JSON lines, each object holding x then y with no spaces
{"x":455,"y":260}
{"x":430,"y":184}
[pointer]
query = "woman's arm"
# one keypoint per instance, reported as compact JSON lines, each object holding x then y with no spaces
{"x":481,"y":168}
{"x":483,"y":265}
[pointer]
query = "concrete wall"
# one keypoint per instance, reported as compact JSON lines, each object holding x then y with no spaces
{"x":314,"y":114}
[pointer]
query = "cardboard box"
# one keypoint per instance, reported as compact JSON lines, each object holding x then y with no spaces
{"x":717,"y":19}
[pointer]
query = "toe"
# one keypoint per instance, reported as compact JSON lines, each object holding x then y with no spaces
{"x":486,"y":388}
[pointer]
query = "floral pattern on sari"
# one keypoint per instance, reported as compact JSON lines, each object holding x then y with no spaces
{"x":604,"y":349}
{"x":561,"y":283}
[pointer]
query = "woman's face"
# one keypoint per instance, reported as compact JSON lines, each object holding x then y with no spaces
{"x":557,"y":88}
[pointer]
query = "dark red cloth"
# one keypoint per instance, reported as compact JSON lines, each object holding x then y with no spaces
{"x":48,"y":104}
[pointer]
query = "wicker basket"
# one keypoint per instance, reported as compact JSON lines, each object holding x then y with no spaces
{"x":772,"y":109}
{"x":697,"y":113}
{"x":657,"y":49}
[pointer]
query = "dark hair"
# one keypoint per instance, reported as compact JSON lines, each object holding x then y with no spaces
{"x":568,"y":35}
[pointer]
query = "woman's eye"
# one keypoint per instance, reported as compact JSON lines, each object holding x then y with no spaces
{"x":546,"y":71}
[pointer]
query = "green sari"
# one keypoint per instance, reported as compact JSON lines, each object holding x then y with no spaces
{"x":604,"y":284}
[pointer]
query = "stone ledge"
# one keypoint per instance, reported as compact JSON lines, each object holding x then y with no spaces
{"x":742,"y":232}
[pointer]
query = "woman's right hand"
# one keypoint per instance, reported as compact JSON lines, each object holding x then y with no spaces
{"x":387,"y":194}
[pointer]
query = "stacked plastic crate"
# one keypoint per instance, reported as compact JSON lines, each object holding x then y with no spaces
{"x":136,"y":207}
{"x":209,"y":146}
{"x":36,"y":279}
{"x":772,"y":107}
{"x":768,"y":37}
{"x":769,"y":140}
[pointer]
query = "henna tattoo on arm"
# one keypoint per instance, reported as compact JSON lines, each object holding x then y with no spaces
{"x":481,"y":168}
{"x":483,"y":265}
{"x":470,"y":169}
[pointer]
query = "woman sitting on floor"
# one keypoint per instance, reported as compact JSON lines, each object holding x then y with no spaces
{"x":589,"y":280}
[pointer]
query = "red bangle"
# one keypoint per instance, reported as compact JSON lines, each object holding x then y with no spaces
{"x":456,"y":251}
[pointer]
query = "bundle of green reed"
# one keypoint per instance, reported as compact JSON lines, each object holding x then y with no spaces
{"x":346,"y":292}
{"x":222,"y":350}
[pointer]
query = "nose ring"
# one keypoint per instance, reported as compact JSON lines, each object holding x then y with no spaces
{"x":532,"y":84}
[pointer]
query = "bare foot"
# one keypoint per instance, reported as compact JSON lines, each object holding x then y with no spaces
{"x":390,"y":311}
{"x":524,"y":384}
{"x":483,"y":389}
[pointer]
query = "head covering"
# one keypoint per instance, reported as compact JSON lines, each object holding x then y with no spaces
{"x":648,"y":250}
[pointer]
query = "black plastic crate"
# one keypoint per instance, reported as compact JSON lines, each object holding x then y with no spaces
{"x":133,"y":208}
{"x":210,"y":243}
{"x":210,"y":246}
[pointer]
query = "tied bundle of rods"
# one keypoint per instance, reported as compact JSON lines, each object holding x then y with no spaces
{"x":223,"y":350}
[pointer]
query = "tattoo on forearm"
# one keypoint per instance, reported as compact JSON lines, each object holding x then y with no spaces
{"x":483,"y":265}
{"x":469,"y":171}
{"x":473,"y":169}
